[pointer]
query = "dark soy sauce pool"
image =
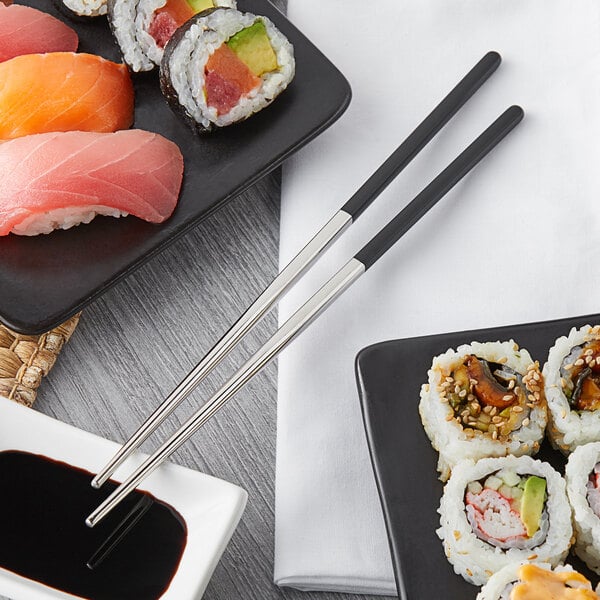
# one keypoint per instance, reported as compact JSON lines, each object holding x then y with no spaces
{"x":43,"y":506}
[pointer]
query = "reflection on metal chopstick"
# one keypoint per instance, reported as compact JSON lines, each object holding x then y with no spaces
{"x":355,"y":206}
{"x":362,"y":261}
{"x":124,"y":527}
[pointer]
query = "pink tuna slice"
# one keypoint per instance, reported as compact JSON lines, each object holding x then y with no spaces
{"x":66,"y":174}
{"x":25,"y":30}
{"x":494,"y":516}
{"x":161,"y":28}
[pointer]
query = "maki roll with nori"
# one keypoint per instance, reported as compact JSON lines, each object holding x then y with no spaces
{"x":500,"y":511}
{"x":572,"y":377}
{"x":142,"y":28}
{"x":583,"y":486}
{"x":86,"y":8}
{"x":223,"y":66}
{"x":483,"y":400}
{"x":532,"y":581}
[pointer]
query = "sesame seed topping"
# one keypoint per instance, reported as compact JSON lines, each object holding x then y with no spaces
{"x":517,"y":409}
{"x":507,"y":397}
{"x":579,"y":362}
{"x":526,"y":422}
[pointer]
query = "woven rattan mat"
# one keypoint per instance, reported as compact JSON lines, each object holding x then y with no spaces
{"x":26,"y":359}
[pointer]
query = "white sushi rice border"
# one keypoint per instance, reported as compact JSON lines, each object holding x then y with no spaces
{"x":131,"y":21}
{"x":448,"y":436}
{"x":587,"y":525}
{"x":87,"y":8}
{"x":473,"y":558}
{"x":188,"y":60}
{"x":496,"y":587}
{"x":568,"y":429}
{"x":63,"y":218}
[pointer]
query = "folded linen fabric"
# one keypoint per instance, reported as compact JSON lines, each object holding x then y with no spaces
{"x":516,"y":241}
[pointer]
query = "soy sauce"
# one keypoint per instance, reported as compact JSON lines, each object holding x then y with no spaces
{"x":43,"y":536}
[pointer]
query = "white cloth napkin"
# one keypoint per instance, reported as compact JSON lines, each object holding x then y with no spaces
{"x":518,"y":240}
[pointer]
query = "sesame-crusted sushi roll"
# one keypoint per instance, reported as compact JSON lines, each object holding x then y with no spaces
{"x":572,"y":380}
{"x":537,"y":580}
{"x":483,"y":400}
{"x":583,"y":486}
{"x":223,"y":66}
{"x":142,"y":28}
{"x":500,"y":511}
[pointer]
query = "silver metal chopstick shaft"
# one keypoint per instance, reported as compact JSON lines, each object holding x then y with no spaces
{"x":280,"y":339}
{"x":332,"y":229}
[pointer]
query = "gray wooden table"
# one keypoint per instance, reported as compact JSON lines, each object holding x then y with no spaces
{"x":135,"y":343}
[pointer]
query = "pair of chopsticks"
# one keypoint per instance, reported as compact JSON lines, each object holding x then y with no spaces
{"x":341,"y":281}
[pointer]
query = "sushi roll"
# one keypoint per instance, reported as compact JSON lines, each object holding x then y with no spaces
{"x":583,"y":486}
{"x":532,"y":581}
{"x":500,"y":511}
{"x":142,"y":28}
{"x":223,"y":66}
{"x":483,"y":400}
{"x":85,"y":8}
{"x":572,"y":379}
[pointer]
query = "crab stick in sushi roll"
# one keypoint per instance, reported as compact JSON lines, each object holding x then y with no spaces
{"x":483,"y":400}
{"x":503,"y":510}
{"x":538,"y":581}
{"x":583,"y":486}
{"x":572,"y":379}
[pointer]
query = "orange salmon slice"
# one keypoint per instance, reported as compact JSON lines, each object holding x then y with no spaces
{"x":63,"y":91}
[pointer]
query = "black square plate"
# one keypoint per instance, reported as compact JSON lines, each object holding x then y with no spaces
{"x":45,"y":279}
{"x":389,"y":377}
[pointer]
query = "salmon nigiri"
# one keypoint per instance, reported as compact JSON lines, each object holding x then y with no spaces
{"x":63,"y":91}
{"x":58,"y":180}
{"x":26,"y":30}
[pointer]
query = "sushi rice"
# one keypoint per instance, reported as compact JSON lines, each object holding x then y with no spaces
{"x":583,"y":486}
{"x":87,"y":8}
{"x":130,"y":21}
{"x":501,"y":584}
{"x":476,"y":557}
{"x":568,"y":426}
{"x":183,"y":67}
{"x":449,"y":431}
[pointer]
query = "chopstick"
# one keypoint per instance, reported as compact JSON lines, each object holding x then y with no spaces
{"x":341,"y":281}
{"x":342,"y":219}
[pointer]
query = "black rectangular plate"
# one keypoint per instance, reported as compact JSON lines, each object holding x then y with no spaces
{"x":389,"y":378}
{"x":45,"y":279}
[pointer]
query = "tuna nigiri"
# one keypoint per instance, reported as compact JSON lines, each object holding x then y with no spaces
{"x":25,"y":30}
{"x":63,"y":91}
{"x":58,"y":180}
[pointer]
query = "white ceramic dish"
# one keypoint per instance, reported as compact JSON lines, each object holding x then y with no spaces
{"x":210,"y":507}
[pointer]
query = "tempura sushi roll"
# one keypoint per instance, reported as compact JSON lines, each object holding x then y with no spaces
{"x":537,"y":580}
{"x":583,"y":486}
{"x":572,"y":378}
{"x":223,"y":66}
{"x":142,"y":28}
{"x":483,"y":400}
{"x":503,"y":510}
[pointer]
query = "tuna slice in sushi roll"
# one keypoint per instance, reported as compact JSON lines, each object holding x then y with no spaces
{"x":500,"y":511}
{"x":572,"y":376}
{"x":531,"y":581}
{"x":483,"y":400}
{"x":223,"y":66}
{"x":142,"y":28}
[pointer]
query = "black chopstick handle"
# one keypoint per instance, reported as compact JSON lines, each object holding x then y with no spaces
{"x":422,"y":135}
{"x":443,"y":183}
